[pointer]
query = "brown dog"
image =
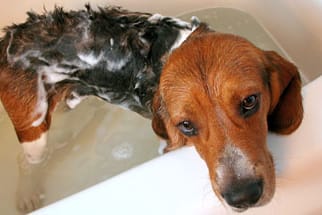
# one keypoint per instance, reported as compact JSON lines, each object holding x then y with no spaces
{"x":216,"y":91}
{"x":221,"y":94}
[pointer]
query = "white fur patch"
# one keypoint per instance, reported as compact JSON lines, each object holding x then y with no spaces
{"x":53,"y":75}
{"x":35,"y":150}
{"x":158,"y":17}
{"x":163,"y":145}
{"x":234,"y":161}
{"x":75,"y":100}
{"x":181,"y":22}
{"x":183,"y":35}
{"x":155,"y":18}
{"x":42,"y":103}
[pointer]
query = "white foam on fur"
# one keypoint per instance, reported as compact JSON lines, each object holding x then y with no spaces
{"x":75,"y":100}
{"x":90,"y":58}
{"x":117,"y":64}
{"x":42,"y":103}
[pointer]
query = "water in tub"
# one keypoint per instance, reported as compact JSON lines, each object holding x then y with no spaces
{"x":96,"y":140}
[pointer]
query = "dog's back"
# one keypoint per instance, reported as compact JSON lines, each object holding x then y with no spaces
{"x":110,"y":53}
{"x":116,"y":54}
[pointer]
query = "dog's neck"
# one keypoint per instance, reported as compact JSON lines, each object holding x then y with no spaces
{"x":111,"y":53}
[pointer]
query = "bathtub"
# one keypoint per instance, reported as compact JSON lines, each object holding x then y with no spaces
{"x":177,"y":183}
{"x":98,"y":168}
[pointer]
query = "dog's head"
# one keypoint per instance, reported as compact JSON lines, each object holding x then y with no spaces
{"x":222,"y":94}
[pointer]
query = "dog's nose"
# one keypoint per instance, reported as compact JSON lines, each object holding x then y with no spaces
{"x":244,"y":194}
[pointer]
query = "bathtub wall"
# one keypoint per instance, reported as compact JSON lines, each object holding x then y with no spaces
{"x":295,"y":24}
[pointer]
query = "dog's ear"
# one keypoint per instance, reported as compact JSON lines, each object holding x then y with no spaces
{"x":286,"y":110}
{"x":163,"y":127}
{"x":157,"y":120}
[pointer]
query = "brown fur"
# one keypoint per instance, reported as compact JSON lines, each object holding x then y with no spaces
{"x":20,"y":101}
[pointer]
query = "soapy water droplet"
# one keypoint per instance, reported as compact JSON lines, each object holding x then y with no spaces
{"x":122,"y":151}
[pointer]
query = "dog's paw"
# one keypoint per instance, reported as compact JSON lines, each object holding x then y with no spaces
{"x":29,"y":199}
{"x":29,"y":193}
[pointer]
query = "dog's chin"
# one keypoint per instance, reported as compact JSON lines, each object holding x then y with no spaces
{"x":243,"y":209}
{"x":239,"y":210}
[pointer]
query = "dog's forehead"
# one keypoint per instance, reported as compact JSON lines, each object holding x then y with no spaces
{"x":215,"y":61}
{"x":217,"y":54}
{"x":244,"y":79}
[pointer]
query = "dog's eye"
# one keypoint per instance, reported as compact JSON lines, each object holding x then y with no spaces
{"x":250,"y":102}
{"x":249,"y":105}
{"x":187,"y":128}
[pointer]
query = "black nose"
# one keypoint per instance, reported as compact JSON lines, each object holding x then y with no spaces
{"x":244,"y":194}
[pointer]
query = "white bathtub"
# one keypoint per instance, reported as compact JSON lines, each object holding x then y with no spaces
{"x":176,"y":183}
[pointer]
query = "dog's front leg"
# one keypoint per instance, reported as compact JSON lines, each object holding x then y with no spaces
{"x":29,"y":195}
{"x":31,"y":163}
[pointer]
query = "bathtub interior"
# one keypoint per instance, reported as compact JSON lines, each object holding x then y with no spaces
{"x":96,"y":140}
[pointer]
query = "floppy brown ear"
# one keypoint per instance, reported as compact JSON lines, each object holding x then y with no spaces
{"x":157,"y":121}
{"x":286,"y":110}
{"x":162,"y":126}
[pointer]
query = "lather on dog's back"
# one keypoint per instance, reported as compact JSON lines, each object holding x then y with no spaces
{"x":112,"y":53}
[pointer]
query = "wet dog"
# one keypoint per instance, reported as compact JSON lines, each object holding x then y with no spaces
{"x":215,"y":91}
